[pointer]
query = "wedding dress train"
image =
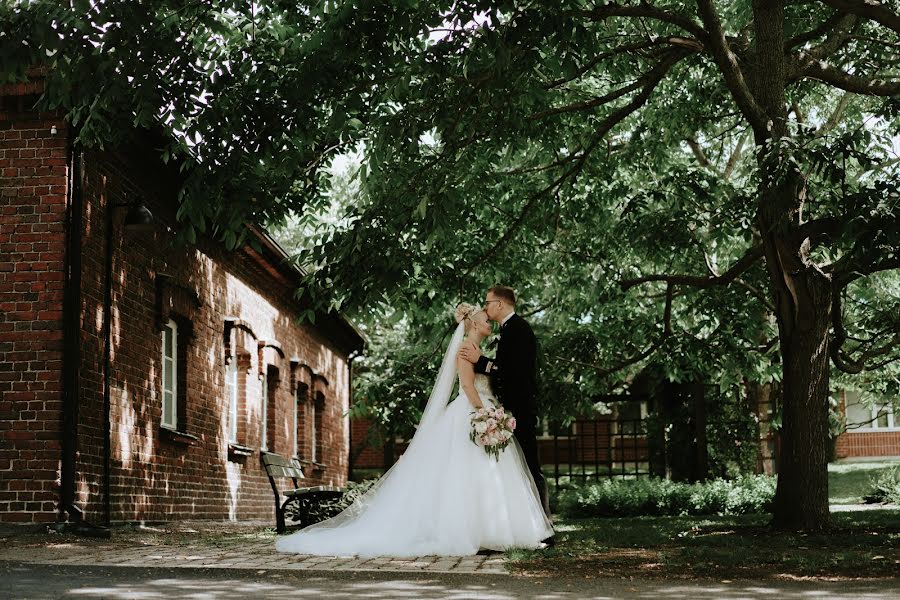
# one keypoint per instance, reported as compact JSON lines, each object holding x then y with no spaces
{"x":445,"y":496}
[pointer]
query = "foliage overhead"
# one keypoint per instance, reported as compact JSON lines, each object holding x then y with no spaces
{"x":606,"y":159}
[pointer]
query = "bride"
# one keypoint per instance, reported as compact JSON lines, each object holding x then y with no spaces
{"x":445,"y":496}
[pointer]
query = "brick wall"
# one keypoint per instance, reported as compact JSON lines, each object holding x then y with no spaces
{"x":864,"y":443}
{"x":155,"y":475}
{"x":860,"y":444}
{"x":32,"y":244}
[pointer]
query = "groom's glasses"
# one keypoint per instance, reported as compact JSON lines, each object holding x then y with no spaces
{"x":488,"y":302}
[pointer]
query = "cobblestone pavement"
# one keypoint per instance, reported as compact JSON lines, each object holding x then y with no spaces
{"x":202,"y":545}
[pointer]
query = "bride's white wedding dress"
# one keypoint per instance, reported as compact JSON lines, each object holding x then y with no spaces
{"x":445,"y":496}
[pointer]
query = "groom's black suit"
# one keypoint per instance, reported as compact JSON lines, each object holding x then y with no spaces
{"x":513,"y":375}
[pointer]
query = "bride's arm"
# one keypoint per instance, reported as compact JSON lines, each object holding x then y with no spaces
{"x":467,"y":382}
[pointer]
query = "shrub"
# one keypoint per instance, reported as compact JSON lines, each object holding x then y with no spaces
{"x":637,"y":497}
{"x":885,"y":487}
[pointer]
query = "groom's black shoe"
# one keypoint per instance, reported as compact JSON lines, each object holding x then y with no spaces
{"x":549,"y":542}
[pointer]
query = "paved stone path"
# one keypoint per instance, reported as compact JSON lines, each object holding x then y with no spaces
{"x":135,"y":550}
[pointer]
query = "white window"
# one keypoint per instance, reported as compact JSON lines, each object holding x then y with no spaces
{"x":264,"y":443}
{"x":867,"y":416}
{"x":297,"y":397}
{"x":313,"y":423}
{"x":170,"y":374}
{"x":231,"y":392}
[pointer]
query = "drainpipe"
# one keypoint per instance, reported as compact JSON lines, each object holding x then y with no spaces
{"x":68,"y":510}
{"x":353,"y":355}
{"x":70,"y":516}
{"x":107,"y":359}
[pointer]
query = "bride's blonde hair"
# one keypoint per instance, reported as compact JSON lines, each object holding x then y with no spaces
{"x":464,"y":312}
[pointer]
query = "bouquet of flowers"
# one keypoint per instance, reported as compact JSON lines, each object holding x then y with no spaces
{"x":492,"y":429}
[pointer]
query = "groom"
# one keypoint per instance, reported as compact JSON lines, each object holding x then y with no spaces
{"x":513,"y":375}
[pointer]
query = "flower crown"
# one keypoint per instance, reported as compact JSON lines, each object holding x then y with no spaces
{"x":464,"y":311}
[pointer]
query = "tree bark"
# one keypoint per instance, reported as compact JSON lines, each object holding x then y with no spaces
{"x":801,"y":496}
{"x":801,"y":292}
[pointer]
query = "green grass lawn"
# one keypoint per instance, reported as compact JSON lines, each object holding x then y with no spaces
{"x":849,"y":481}
{"x":861,"y":544}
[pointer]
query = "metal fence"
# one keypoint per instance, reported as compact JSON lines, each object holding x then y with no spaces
{"x":601,"y":448}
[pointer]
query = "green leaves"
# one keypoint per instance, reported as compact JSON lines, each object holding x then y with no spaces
{"x":477,"y":158}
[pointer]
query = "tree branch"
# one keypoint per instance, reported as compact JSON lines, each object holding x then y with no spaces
{"x":819,"y":230}
{"x":851,"y":83}
{"x":654,"y":77}
{"x":617,"y":367}
{"x":767,"y":302}
{"x":698,"y":152}
{"x":734,"y":158}
{"x":835,"y":117}
{"x":651,"y":77}
{"x":837,"y":37}
{"x":868,"y":9}
{"x":653,"y":42}
{"x":850,"y":269}
{"x":593,"y":103}
{"x":826,"y":26}
{"x":731,"y":70}
{"x":840,"y":357}
{"x":744,"y":263}
{"x":644,"y":10}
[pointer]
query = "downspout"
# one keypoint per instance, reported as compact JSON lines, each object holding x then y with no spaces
{"x":353,"y":355}
{"x":70,"y":517}
{"x":68,"y":510}
{"x":107,"y":359}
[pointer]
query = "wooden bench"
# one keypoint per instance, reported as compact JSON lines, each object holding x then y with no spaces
{"x":278,"y":467}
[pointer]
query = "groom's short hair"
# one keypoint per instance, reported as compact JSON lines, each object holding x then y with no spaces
{"x":505,"y":293}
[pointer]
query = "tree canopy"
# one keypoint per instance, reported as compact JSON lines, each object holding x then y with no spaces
{"x":710,"y":184}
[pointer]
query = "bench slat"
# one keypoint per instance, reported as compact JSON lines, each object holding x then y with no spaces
{"x":275,"y":459}
{"x":319,"y":489}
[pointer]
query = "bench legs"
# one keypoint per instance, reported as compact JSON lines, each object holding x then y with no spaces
{"x":280,"y":526}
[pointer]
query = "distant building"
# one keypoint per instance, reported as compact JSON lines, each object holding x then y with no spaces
{"x":873,"y":430}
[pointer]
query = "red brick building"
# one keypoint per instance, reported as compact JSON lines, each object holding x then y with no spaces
{"x":141,"y":379}
{"x":872,"y":429}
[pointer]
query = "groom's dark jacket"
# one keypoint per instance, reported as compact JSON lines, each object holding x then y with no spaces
{"x":513,"y":372}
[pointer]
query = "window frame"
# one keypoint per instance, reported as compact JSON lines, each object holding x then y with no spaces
{"x":169,"y":363}
{"x":264,"y":410}
{"x":231,"y":389}
{"x":313,"y":431}
{"x":872,"y":426}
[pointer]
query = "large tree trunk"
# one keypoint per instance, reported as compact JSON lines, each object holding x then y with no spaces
{"x":802,"y":296}
{"x":802,"y":292}
{"x":801,"y":498}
